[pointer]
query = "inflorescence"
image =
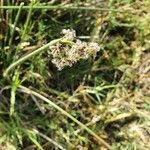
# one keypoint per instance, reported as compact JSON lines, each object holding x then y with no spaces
{"x":70,"y":50}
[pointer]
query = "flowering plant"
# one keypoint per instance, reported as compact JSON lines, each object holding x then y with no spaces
{"x":70,"y":50}
{"x":65,"y":51}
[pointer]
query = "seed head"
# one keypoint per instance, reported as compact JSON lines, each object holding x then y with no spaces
{"x":64,"y":54}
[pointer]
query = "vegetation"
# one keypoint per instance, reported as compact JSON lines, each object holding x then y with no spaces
{"x":87,"y":91}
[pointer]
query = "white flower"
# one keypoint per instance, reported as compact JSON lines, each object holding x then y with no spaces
{"x":94,"y":46}
{"x":69,"y":34}
{"x":66,"y":55}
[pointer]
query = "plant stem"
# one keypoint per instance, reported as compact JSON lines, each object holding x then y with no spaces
{"x":48,"y":139}
{"x":12,"y":99}
{"x":15,"y":23}
{"x":21,"y":60}
{"x":27,"y":20}
{"x":66,"y":8}
{"x":15,"y":83}
{"x":99,"y":139}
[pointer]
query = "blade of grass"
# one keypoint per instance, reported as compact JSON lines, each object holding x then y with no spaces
{"x":15,"y":23}
{"x":15,"y":84}
{"x":32,"y":137}
{"x":27,"y":20}
{"x":69,"y":8}
{"x":12,"y":99}
{"x":99,"y":139}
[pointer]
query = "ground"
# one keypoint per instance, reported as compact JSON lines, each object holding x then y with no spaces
{"x":101,"y":102}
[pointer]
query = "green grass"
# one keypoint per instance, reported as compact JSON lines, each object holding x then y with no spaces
{"x":99,"y":103}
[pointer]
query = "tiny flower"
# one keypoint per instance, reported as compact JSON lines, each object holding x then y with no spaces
{"x":69,"y":34}
{"x":94,"y":46}
{"x":64,"y":54}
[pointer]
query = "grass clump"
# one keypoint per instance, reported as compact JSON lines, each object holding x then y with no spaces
{"x":54,"y":95}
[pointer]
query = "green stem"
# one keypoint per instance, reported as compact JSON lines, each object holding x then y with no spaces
{"x":12,"y":99}
{"x":24,"y":58}
{"x":99,"y":139}
{"x":15,"y":23}
{"x":65,"y":8}
{"x":7,"y":29}
{"x":27,"y":21}
{"x":15,"y":83}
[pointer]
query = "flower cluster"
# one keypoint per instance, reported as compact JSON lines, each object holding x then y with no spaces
{"x":69,"y":34}
{"x":70,"y":50}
